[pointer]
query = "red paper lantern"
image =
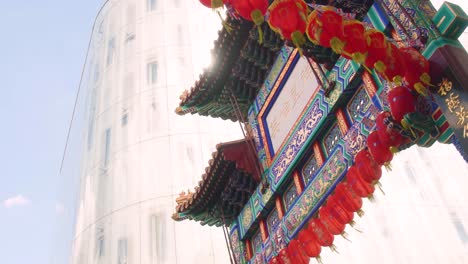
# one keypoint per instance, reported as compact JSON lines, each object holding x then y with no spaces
{"x":338,"y":211}
{"x":354,"y":42}
{"x":309,"y":243}
{"x":368,"y":169}
{"x":401,"y":102}
{"x":417,"y":75}
{"x":288,"y":17}
{"x":276,"y":260}
{"x":323,"y":26}
{"x":387,"y":135}
{"x":349,"y":200}
{"x":284,"y":256}
{"x":212,"y":3}
{"x":324,"y":237}
{"x":330,"y":222}
{"x":296,"y":252}
{"x":252,"y":10}
{"x":377,"y":48}
{"x":379,"y":151}
{"x":358,"y":185}
{"x":394,"y":68}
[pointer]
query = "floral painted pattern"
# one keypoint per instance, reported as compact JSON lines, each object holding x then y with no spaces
{"x":316,"y":192}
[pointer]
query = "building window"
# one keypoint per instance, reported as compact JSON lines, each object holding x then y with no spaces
{"x":151,"y":5}
{"x":130,"y":36}
{"x":122,"y":251}
{"x":461,"y":231}
{"x":110,"y":51}
{"x":158,"y":238}
{"x":124,"y":117}
{"x":100,"y":243}
{"x":101,"y":246}
{"x":152,"y":72}
{"x":92,"y":112}
{"x":107,"y":142}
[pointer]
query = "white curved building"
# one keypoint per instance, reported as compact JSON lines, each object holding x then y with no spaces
{"x":138,"y":154}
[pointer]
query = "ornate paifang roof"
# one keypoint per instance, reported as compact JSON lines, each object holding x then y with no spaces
{"x":225,"y":187}
{"x":241,"y":64}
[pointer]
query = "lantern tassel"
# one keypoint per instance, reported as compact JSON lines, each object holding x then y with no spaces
{"x":360,"y":213}
{"x":345,"y":236}
{"x":398,"y":80}
{"x":260,"y":34}
{"x":380,"y":67}
{"x":419,"y":87}
{"x":407,"y":126}
{"x":367,"y":68}
{"x":225,"y":24}
{"x":388,"y":166}
{"x":426,"y":79}
{"x":352,"y":223}
{"x":371,"y":198}
{"x":319,"y":259}
{"x":358,"y":230}
{"x":258,"y":19}
{"x":333,"y":248}
{"x":379,"y":185}
{"x":394,"y":150}
{"x":215,"y":4}
{"x":298,"y":39}
{"x":338,"y":46}
{"x":359,"y":57}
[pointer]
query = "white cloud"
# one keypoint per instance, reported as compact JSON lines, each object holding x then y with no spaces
{"x":17,"y":200}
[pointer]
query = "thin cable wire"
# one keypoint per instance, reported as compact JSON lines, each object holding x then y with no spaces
{"x":79,"y":88}
{"x":314,"y":72}
{"x":247,"y":137}
{"x":228,"y":244}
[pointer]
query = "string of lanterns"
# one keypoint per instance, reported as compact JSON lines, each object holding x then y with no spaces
{"x":325,"y":26}
{"x":405,"y":68}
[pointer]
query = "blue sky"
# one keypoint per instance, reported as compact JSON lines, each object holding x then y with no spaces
{"x":42,"y":50}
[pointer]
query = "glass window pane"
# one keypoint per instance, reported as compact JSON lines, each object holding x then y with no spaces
{"x":100,"y":242}
{"x":122,"y":251}
{"x":110,"y":51}
{"x":107,"y":146}
{"x":124,"y":118}
{"x":151,"y":5}
{"x":158,"y":238}
{"x":152,"y":72}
